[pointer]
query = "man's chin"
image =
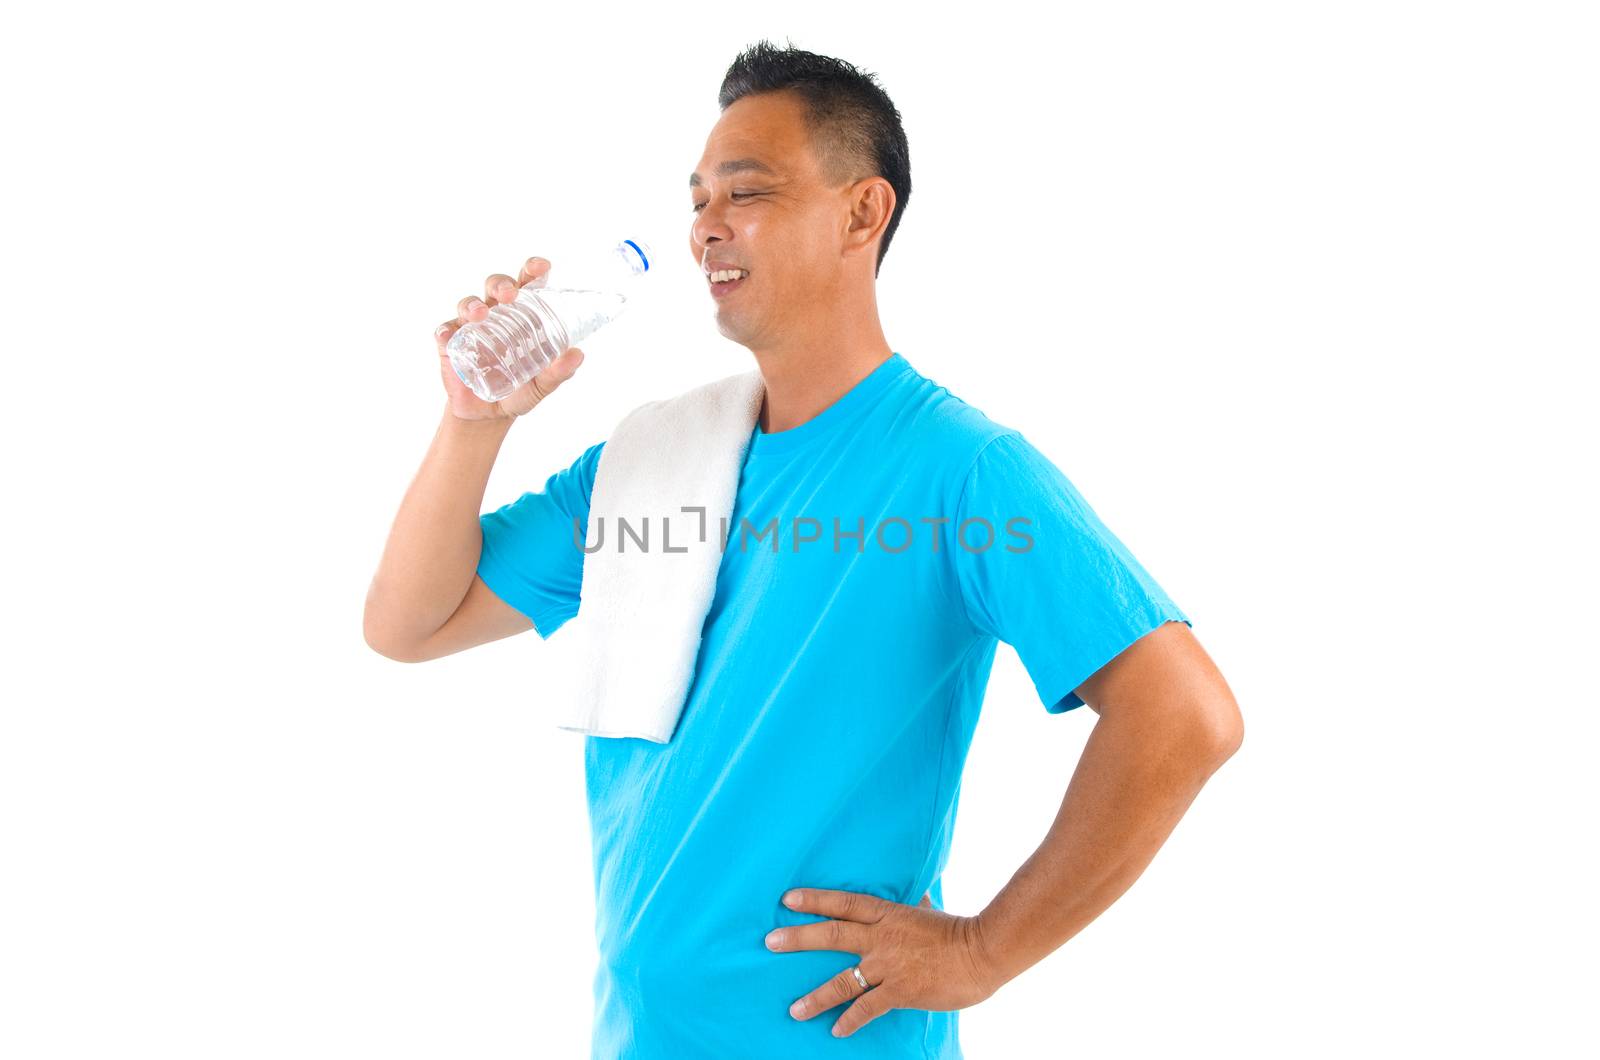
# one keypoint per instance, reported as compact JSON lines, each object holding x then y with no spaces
{"x":730,"y":324}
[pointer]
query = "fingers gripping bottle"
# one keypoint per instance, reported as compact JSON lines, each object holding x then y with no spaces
{"x":518,"y":339}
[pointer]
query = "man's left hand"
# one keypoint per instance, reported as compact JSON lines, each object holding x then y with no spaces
{"x":913,"y":956}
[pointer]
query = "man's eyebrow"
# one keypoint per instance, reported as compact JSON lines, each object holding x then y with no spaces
{"x":735,"y":165}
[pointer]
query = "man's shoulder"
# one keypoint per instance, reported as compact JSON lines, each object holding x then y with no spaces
{"x":947,"y":426}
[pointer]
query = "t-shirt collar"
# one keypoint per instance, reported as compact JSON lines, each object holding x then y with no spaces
{"x":844,"y":410}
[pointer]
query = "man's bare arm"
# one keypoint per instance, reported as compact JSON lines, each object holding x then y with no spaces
{"x":430,"y":560}
{"x":426,"y":599}
{"x":481,"y":618}
{"x":1167,"y":722}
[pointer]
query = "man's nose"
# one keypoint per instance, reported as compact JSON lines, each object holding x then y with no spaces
{"x":708,"y":227}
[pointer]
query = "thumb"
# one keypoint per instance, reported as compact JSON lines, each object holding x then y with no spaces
{"x":546,"y":382}
{"x":562,"y":368}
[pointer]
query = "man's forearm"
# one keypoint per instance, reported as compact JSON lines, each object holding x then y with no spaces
{"x":1133,"y":783}
{"x":434,"y":544}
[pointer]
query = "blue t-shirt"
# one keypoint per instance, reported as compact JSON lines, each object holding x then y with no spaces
{"x":838,"y":684}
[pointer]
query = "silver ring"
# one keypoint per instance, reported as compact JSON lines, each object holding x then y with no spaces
{"x":861,"y":978}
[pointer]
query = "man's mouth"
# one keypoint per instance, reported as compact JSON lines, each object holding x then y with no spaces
{"x":726,"y":281}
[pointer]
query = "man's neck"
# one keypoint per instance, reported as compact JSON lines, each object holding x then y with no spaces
{"x":799,"y":386}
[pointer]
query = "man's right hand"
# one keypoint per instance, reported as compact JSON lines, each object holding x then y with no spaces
{"x":466,"y":405}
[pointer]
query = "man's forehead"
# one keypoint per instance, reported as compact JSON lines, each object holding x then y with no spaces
{"x":764,"y":133}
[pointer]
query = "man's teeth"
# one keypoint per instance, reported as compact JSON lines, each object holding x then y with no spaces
{"x":724,"y":275}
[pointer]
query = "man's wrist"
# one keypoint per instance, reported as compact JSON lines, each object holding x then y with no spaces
{"x":498,"y":425}
{"x":992,"y":966}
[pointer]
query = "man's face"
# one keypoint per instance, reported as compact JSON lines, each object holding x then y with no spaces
{"x":780,"y":222}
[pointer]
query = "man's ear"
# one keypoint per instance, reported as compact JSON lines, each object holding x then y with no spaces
{"x":871,"y":207}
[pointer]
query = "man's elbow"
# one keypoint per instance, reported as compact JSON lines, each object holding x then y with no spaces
{"x":1220,"y":728}
{"x":392,"y":651}
{"x":386,"y":644}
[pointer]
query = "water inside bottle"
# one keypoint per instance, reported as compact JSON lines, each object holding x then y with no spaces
{"x":584,"y":312}
{"x":517,"y":340}
{"x":514,"y":343}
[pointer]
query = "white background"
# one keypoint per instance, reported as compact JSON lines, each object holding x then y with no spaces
{"x":1301,"y":297}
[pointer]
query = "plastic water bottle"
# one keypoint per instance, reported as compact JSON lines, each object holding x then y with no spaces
{"x":518,"y":339}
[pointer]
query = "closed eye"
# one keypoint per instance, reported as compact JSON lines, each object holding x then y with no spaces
{"x":697,"y":207}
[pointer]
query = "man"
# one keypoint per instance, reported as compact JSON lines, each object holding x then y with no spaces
{"x":843,"y":660}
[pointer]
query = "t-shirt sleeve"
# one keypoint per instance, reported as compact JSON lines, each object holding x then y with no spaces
{"x":531,"y":557}
{"x":1054,"y":582}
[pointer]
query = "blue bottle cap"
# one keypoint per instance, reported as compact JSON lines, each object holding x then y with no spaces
{"x":643,"y":256}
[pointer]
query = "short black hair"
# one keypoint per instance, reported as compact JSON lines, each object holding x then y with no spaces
{"x":854,"y":126}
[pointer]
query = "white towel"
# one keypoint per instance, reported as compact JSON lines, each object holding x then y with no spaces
{"x":636,"y":635}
